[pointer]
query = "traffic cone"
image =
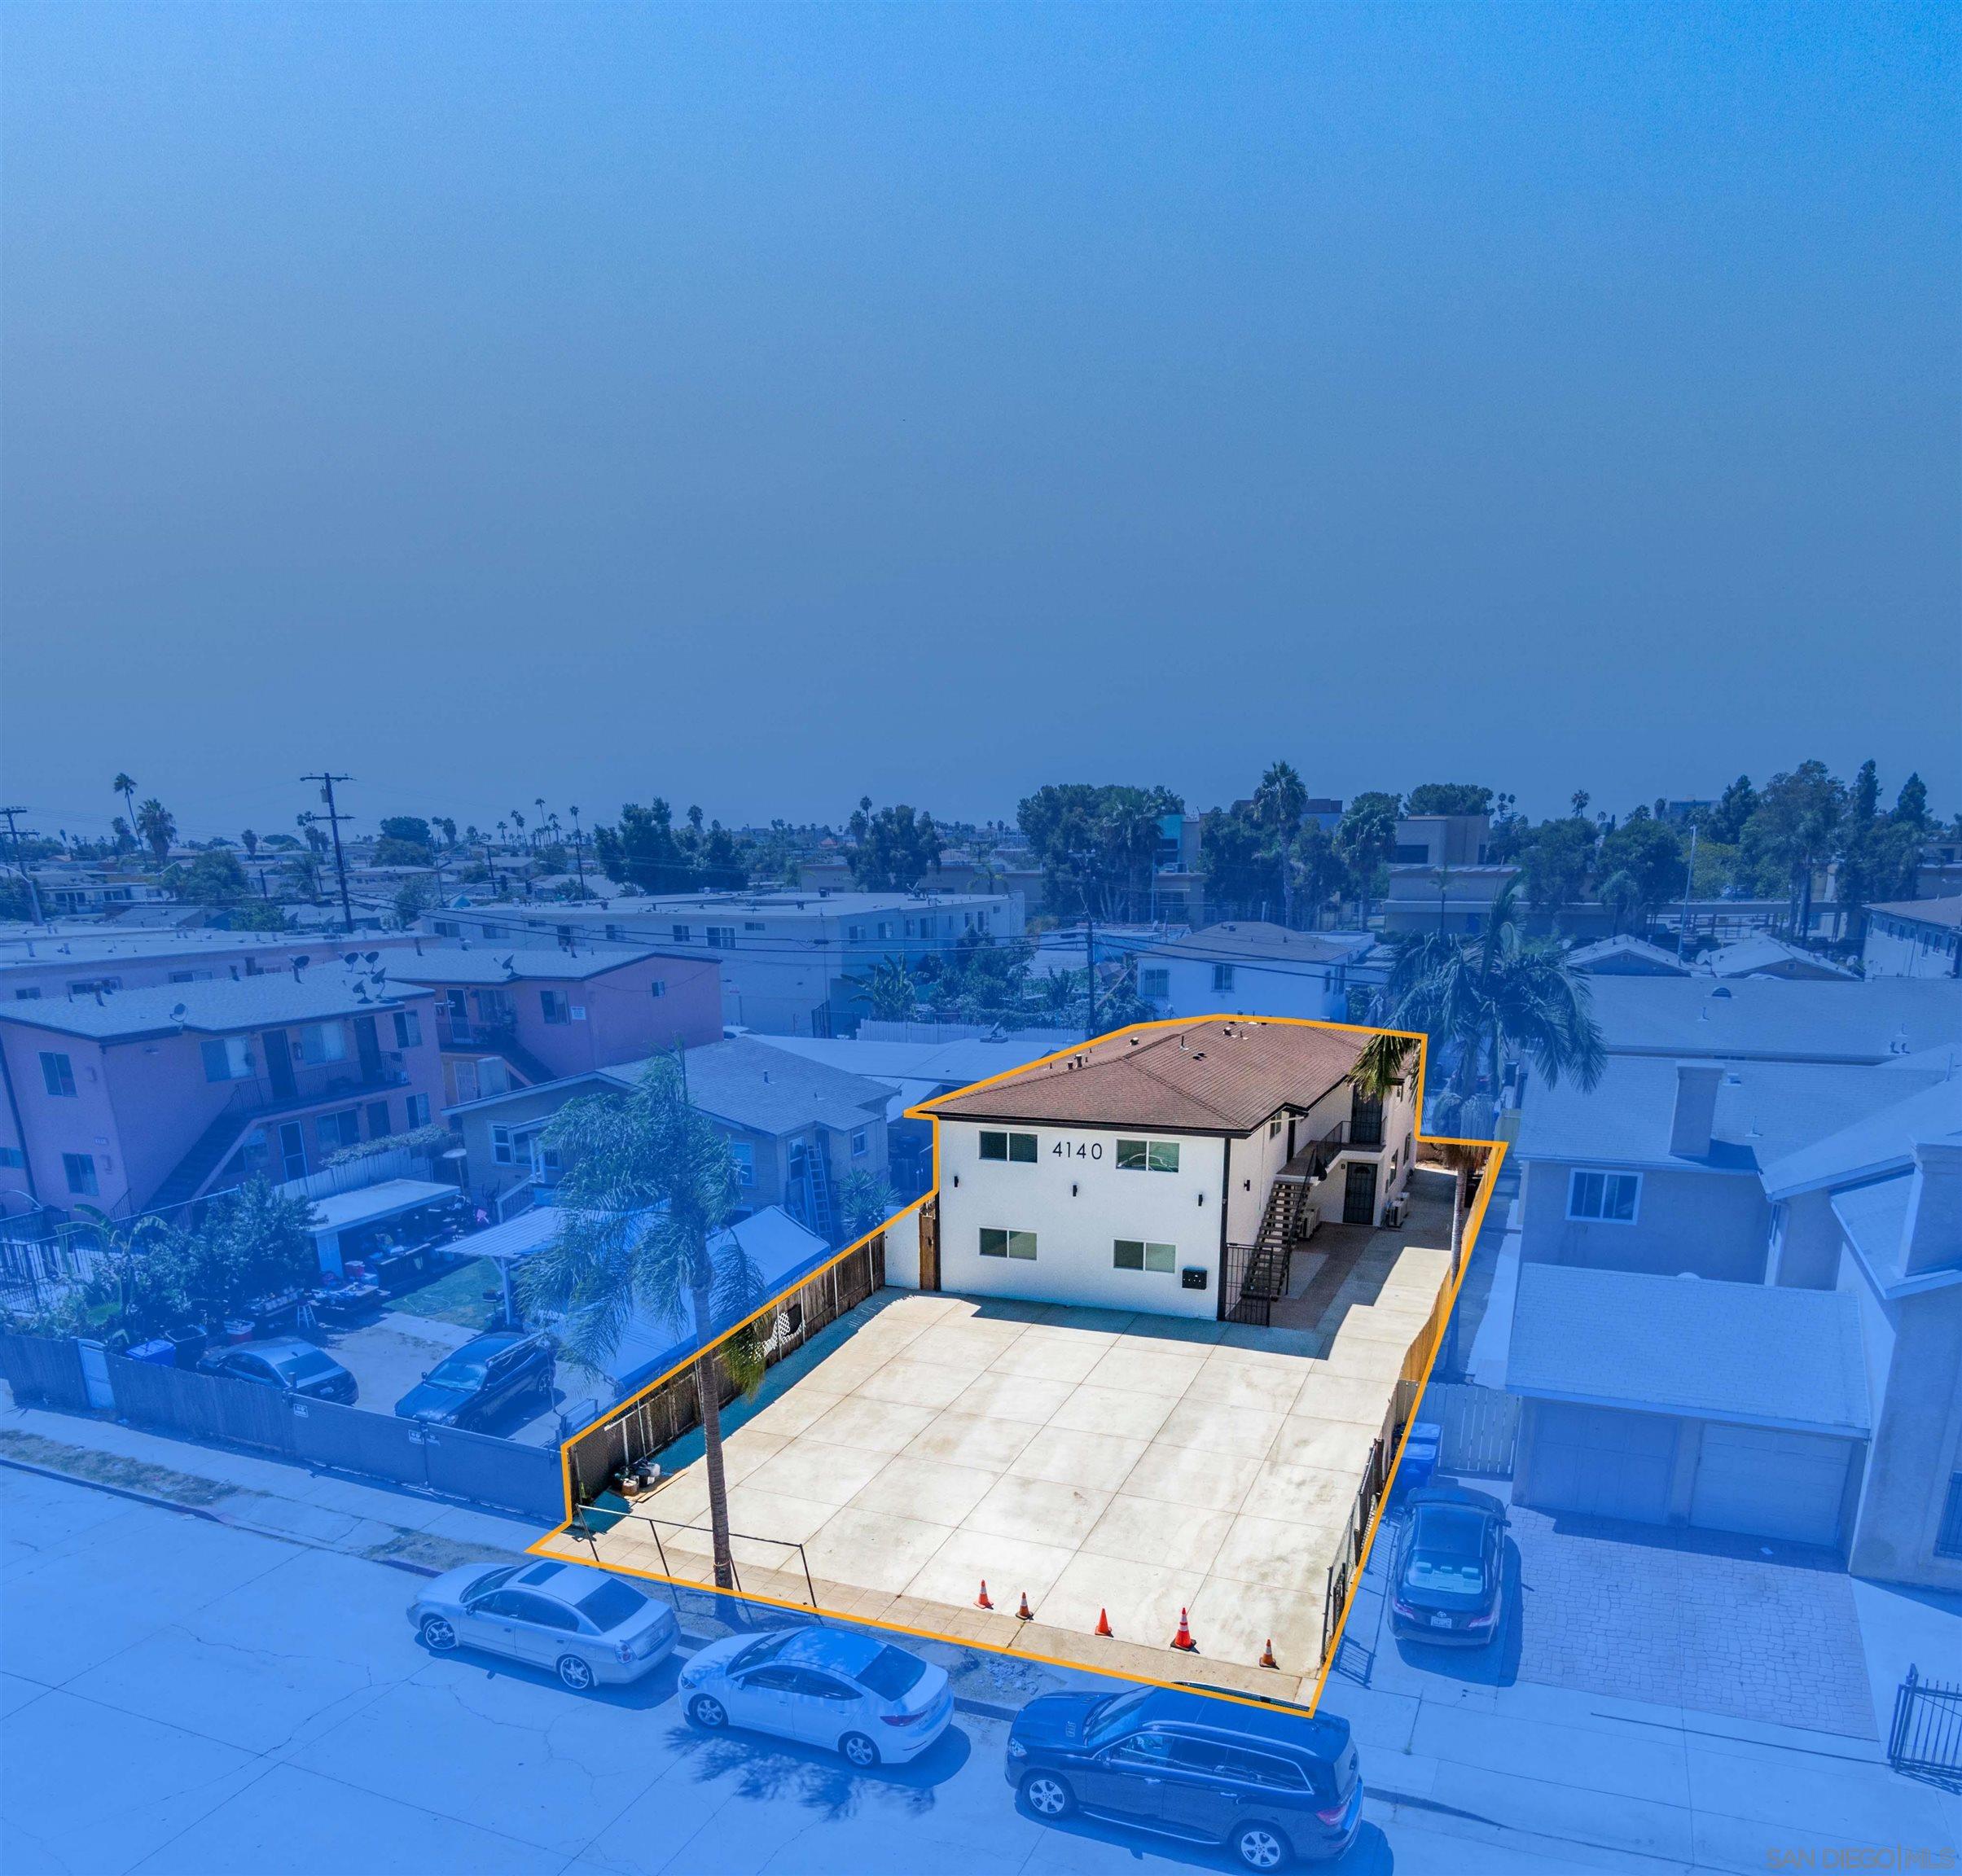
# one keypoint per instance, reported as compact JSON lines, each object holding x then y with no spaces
{"x":982,"y":1602}
{"x":1183,"y":1641}
{"x":1024,"y":1614}
{"x":1102,"y":1622}
{"x":1266,"y":1654}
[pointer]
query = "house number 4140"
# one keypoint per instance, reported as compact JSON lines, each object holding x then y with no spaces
{"x":1064,"y":1149}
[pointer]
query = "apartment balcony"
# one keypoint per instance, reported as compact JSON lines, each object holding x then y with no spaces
{"x":315,"y":1086}
{"x":461,"y":1035}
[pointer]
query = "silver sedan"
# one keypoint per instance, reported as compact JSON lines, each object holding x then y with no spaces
{"x":587,"y":1625}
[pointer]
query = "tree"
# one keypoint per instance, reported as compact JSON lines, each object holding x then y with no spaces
{"x":1279,"y":804}
{"x":214,"y":879}
{"x":1097,"y":844}
{"x":120,"y":837}
{"x":412,"y":899}
{"x":1555,"y":859}
{"x":392,"y":852}
{"x":1449,"y":798}
{"x":888,"y":990}
{"x":125,"y":786}
{"x":1646,"y":856}
{"x":158,"y":827}
{"x":647,"y":851}
{"x":896,"y":849}
{"x":1365,"y":838}
{"x":1793,"y":831}
{"x":252,"y":843}
{"x":1498,"y":993}
{"x":649,"y":1184}
{"x":1910,"y":804}
{"x":1232,"y":861}
{"x":867,"y":1200}
{"x":411,"y":829}
{"x":255,"y":915}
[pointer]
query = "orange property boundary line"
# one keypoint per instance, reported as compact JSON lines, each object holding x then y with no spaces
{"x":1472,"y":1224}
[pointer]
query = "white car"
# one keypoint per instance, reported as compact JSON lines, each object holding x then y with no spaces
{"x":873,"y":1703}
{"x":587,"y":1625}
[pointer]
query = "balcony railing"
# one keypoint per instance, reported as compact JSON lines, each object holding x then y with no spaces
{"x":455,"y":1034}
{"x":310,"y":1086}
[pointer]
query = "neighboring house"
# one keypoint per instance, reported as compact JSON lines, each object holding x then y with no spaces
{"x":1626,"y":955}
{"x":792,"y":963}
{"x":1424,"y":897}
{"x":1739,"y":1305}
{"x":1764,"y":956}
{"x":1914,"y":938}
{"x":1251,"y":968}
{"x":517,"y":1017}
{"x":133,"y":1099}
{"x":77,"y":961}
{"x":1438,"y":840}
{"x":1138,"y":1171}
{"x":83,"y":892}
{"x":796,"y":1129}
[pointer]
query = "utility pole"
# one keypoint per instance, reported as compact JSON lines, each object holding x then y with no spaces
{"x":334,"y":818}
{"x":579,"y":853}
{"x":1689,"y":885}
{"x":1090,"y":970}
{"x":33,"y":891}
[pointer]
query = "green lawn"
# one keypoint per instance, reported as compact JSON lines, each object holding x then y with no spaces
{"x":458,"y":1297}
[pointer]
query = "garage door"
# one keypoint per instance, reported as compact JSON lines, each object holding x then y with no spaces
{"x":1768,"y":1483}
{"x":1602,"y":1463}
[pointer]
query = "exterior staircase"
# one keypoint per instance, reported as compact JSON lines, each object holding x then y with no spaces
{"x":193,"y":1172}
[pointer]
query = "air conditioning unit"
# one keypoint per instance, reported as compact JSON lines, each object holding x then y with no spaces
{"x":1393,"y":1212}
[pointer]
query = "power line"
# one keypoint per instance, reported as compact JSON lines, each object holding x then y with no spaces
{"x":334,"y":818}
{"x":33,"y":891}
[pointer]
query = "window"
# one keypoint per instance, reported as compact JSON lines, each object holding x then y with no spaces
{"x":12,"y":1156}
{"x":658,"y":988}
{"x":744,"y":1156}
{"x":1222,"y":976}
{"x":408,"y":1029}
{"x":378,"y":1120}
{"x":416,"y":1109}
{"x":1273,"y":1128}
{"x":335,"y":1131}
{"x":58,"y":1074}
{"x":1017,"y":1147}
{"x":1948,"y":1540}
{"x":1156,"y":982}
{"x":752,"y":924}
{"x":226,"y":1058}
{"x":501,"y":1152}
{"x":552,"y":1003}
{"x":1008,"y":1244}
{"x":681,"y":934}
{"x":1606,"y":1198}
{"x":80,"y":1168}
{"x":322,"y":1042}
{"x":1147,"y":1156}
{"x":722,"y":937}
{"x":1132,"y":1254}
{"x":861,"y":1141}
{"x":853,"y":932}
{"x":22,"y":996}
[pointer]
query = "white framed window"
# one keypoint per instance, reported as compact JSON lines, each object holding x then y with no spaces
{"x":226,"y":1058}
{"x":552,"y":1005}
{"x":501,"y":1151}
{"x":58,"y":1074}
{"x":1008,"y":1244}
{"x":861,"y":1141}
{"x":322,"y":1042}
{"x":334,"y":1131}
{"x":1020,"y":1148}
{"x":417,"y":1107}
{"x":658,"y":988}
{"x":408,"y":1029}
{"x":1155,"y":981}
{"x":722,"y":937}
{"x":681,"y":934}
{"x":1136,"y":1254}
{"x":79,"y":1168}
{"x":1273,"y":1128}
{"x":744,"y":1156}
{"x":1147,"y":1156}
{"x":1604,"y":1198}
{"x":1222,"y":976}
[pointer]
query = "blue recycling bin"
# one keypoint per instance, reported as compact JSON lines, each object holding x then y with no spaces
{"x":162,"y":1352}
{"x":1419,"y":1455}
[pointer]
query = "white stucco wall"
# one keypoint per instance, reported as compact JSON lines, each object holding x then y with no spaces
{"x":1076,"y":1229}
{"x":1258,"y":990}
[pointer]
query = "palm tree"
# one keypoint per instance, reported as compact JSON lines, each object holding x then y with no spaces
{"x":539,"y":803}
{"x":1496,"y":994}
{"x":158,"y":827}
{"x":124,"y":785}
{"x":888,"y":989}
{"x":517,"y":820}
{"x":1278,"y":805}
{"x":649,"y":1184}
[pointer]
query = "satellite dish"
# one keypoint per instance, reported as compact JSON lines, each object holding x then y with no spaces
{"x":303,"y":960}
{"x":178,"y":1012}
{"x":351,"y":958}
{"x":371,"y":957}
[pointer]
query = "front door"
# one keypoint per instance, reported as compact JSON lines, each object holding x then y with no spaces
{"x":368,"y":1047}
{"x":279,"y":1067}
{"x":1359,"y":1193}
{"x":292,"y":1148}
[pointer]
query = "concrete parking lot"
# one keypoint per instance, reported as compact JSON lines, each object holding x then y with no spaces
{"x":387,"y":1357}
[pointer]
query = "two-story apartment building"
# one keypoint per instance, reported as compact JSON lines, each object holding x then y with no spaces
{"x":517,"y":1017}
{"x":1138,"y":1171}
{"x":1738,"y":1303}
{"x":1914,"y":938}
{"x":133,"y":1099}
{"x":796,"y":1128}
{"x":792,"y":963}
{"x":1252,"y":968}
{"x":70,"y":960}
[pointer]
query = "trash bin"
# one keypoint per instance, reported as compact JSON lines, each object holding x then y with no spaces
{"x":1419,"y":1455}
{"x":161,"y":1353}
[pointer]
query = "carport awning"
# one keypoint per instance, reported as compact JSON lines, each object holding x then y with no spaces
{"x":348,"y":1211}
{"x":1755,"y":1353}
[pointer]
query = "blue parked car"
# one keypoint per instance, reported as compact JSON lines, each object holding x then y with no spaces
{"x":1270,"y":1782}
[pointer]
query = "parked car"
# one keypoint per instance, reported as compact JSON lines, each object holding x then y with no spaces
{"x":1447,"y":1571}
{"x":587,"y":1625}
{"x":873,"y":1703}
{"x":482,"y":1378}
{"x":284,"y":1363}
{"x":1269,"y":1782}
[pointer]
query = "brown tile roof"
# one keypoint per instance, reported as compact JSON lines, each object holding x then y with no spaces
{"x":1213,"y":1074}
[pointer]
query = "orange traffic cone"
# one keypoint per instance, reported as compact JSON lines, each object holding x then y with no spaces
{"x":982,"y":1602}
{"x":1103,"y":1626}
{"x":1184,"y":1640}
{"x":1266,"y":1654}
{"x":1024,"y":1614}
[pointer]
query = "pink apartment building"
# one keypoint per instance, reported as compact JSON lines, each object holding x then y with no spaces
{"x":132,"y":1100}
{"x":510,"y":1017}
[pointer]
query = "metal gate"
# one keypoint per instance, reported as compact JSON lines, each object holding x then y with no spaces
{"x":1927,"y":1732}
{"x":1479,"y":1427}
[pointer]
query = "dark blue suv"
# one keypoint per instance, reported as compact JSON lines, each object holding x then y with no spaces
{"x":1267,"y":1781}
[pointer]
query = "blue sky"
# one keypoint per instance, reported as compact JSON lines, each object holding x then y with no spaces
{"x":765,"y":406}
